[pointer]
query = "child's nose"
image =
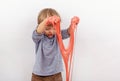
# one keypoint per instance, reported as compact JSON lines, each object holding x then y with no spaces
{"x":50,"y":32}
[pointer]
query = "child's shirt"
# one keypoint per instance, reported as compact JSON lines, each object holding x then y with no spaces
{"x":48,"y":56}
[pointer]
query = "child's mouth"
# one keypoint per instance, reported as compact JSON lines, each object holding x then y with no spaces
{"x":50,"y":35}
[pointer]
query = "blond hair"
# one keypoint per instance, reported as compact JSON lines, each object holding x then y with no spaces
{"x":47,"y":12}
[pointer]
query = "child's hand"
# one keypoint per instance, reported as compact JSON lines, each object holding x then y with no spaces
{"x":74,"y":23}
{"x":52,"y":20}
{"x":75,"y":20}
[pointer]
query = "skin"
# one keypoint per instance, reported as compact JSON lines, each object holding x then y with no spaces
{"x":47,"y":29}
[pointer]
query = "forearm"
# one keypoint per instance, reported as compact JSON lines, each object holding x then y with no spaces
{"x":41,"y":27}
{"x":69,"y":29}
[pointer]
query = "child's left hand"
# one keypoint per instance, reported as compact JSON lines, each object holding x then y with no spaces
{"x":75,"y":20}
{"x":74,"y":23}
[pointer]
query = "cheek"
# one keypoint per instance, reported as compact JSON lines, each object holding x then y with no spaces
{"x":45,"y":32}
{"x":54,"y":31}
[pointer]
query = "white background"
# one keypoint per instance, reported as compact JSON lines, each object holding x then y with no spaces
{"x":97,"y":48}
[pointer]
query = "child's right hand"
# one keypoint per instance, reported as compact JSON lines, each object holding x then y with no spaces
{"x":52,"y":20}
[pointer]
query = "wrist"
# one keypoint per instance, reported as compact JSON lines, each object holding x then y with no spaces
{"x":68,"y":30}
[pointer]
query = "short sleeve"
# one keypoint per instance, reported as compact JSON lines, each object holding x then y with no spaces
{"x":65,"y":34}
{"x":37,"y":37}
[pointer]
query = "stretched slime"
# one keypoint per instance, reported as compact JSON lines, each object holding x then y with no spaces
{"x":67,"y":53}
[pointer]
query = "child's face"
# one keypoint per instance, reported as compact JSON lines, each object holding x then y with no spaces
{"x":49,"y":31}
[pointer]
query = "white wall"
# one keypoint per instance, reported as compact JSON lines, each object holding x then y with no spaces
{"x":97,"y":49}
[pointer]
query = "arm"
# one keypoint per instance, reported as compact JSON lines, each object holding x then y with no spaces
{"x":65,"y":33}
{"x":73,"y":24}
{"x":38,"y":33}
{"x":37,"y":37}
{"x":69,"y":29}
{"x":41,"y":27}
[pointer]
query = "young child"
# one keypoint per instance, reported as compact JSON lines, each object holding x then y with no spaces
{"x":48,"y":64}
